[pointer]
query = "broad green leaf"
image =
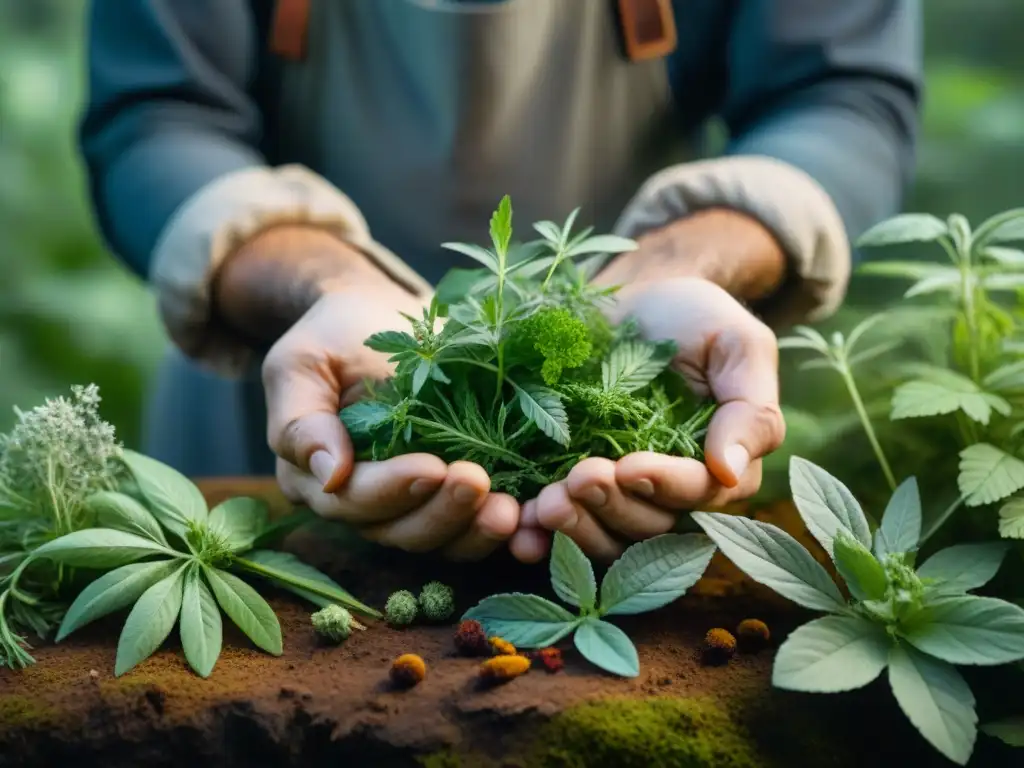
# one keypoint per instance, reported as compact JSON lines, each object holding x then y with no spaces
{"x":240,"y":520}
{"x":825,"y":504}
{"x":501,"y":225}
{"x":201,"y":630}
{"x":1007,"y":379}
{"x":949,"y":281}
{"x":113,"y":591}
{"x":988,"y":474}
{"x":918,"y":399}
{"x":173,"y":499}
{"x":100,"y":548}
{"x":936,"y":699}
{"x":905,"y":228}
{"x":632,"y":365}
{"x":606,"y":646}
{"x":1004,"y":227}
{"x":964,"y":567}
{"x":968,"y":629}
{"x":900,"y":530}
{"x":549,"y":231}
{"x":603,"y":244}
{"x":831,"y":655}
{"x":526,"y":621}
{"x":247,"y":609}
{"x":392,"y":342}
{"x":149,"y":622}
{"x":475,"y":252}
{"x":365,"y":417}
{"x":1010,"y":731}
{"x":863,"y":574}
{"x":420,"y":376}
{"x":1011,"y":519}
{"x":1012,"y":282}
{"x":1007,"y":257}
{"x":572,"y":575}
{"x":123,"y":513}
{"x":544,"y":408}
{"x":652,"y":573}
{"x":772,"y":557}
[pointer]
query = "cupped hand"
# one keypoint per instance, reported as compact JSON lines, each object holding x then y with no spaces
{"x":415,"y":502}
{"x":725,"y":352}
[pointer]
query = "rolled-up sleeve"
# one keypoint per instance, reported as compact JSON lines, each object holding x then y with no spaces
{"x":821,"y":99}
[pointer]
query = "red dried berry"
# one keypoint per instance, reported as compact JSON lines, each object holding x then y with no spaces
{"x":471,"y":640}
{"x":549,"y":658}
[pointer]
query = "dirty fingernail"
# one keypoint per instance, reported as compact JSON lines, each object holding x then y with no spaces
{"x":322,"y":465}
{"x":594,"y":496}
{"x":642,"y":487}
{"x":465,"y":494}
{"x":737,"y":459}
{"x":423,"y":487}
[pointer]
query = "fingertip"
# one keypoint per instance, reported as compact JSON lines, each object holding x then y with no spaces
{"x":555,"y":510}
{"x":530,"y":545}
{"x":499,"y":517}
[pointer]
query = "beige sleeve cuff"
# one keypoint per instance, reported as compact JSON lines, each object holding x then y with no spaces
{"x":219,"y":218}
{"x":784,"y":199}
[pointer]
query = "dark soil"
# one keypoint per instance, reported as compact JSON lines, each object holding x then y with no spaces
{"x":321,"y":705}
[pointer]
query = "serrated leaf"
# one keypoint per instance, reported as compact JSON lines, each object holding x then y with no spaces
{"x":202,"y":632}
{"x":652,"y":573}
{"x":100,"y":548}
{"x":936,"y":699}
{"x":964,"y":567}
{"x":526,"y":621}
{"x":149,"y":622}
{"x":365,"y":417}
{"x":246,"y":609}
{"x":572,"y":575}
{"x":968,"y":629}
{"x":900,"y":530}
{"x":832,"y":654}
{"x":916,"y":399}
{"x":632,"y":366}
{"x":240,"y":520}
{"x":173,"y":499}
{"x":864,"y":575}
{"x":1011,"y":519}
{"x":825,"y":504}
{"x":988,"y":474}
{"x":123,"y":513}
{"x":392,"y":342}
{"x":475,"y":252}
{"x":501,"y":225}
{"x":905,"y":228}
{"x":1010,"y":731}
{"x":420,"y":375}
{"x":772,"y":557}
{"x":544,"y":408}
{"x":606,"y":646}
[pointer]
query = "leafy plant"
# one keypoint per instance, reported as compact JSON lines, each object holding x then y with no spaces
{"x":514,"y":366}
{"x":916,"y":621}
{"x":174,"y":560}
{"x":648,"y":575}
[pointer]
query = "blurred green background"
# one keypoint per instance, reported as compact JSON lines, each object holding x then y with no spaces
{"x":70,"y":314}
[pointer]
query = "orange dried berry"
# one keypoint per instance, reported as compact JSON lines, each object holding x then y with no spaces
{"x":408,"y":670}
{"x":471,"y":640}
{"x":501,"y":647}
{"x":550,"y":658}
{"x":501,"y":669}
{"x":753,"y":635}
{"x":719,"y":646}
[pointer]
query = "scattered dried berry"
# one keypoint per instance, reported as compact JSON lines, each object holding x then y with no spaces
{"x":471,"y":640}
{"x":501,"y":669}
{"x":550,"y":658}
{"x":437,"y":601}
{"x":401,"y":608}
{"x":719,"y":646}
{"x":753,"y":635}
{"x":408,"y":670}
{"x":501,"y":647}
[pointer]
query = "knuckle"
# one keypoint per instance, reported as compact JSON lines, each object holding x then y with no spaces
{"x":772,"y":423}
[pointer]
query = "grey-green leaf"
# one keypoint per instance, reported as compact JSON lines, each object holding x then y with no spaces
{"x":988,"y":474}
{"x":652,"y":573}
{"x":830,"y":655}
{"x":572,"y":575}
{"x":526,"y":621}
{"x":772,"y":557}
{"x":365,"y":417}
{"x":150,"y":622}
{"x":123,"y":513}
{"x":201,"y":629}
{"x":608,"y":647}
{"x":863,"y":574}
{"x":247,"y":609}
{"x":240,"y":520}
{"x":113,"y":591}
{"x":964,"y":567}
{"x":603,"y":244}
{"x":632,"y":365}
{"x":1003,"y":227}
{"x":1010,"y":731}
{"x":900,"y":530}
{"x":905,"y":228}
{"x":544,"y":407}
{"x":100,"y":548}
{"x":936,"y":699}
{"x":968,"y":629}
{"x":475,"y":252}
{"x":173,"y":499}
{"x":825,"y":504}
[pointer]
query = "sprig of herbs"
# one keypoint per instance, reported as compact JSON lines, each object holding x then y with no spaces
{"x":515,"y":366}
{"x":649,"y":575}
{"x":916,"y":621}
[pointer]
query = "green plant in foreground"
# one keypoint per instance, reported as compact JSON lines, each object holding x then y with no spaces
{"x":515,"y":367}
{"x":917,"y":622}
{"x":648,"y":575}
{"x":437,"y":601}
{"x":334,"y":623}
{"x":401,"y":608}
{"x":176,"y":561}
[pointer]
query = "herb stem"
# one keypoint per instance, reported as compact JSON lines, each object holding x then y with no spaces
{"x":865,"y":420}
{"x":305,"y":585}
{"x":936,"y":524}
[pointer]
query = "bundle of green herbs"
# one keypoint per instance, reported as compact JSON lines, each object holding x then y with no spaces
{"x":515,"y":366}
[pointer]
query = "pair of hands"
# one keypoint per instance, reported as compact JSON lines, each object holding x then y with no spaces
{"x":419,"y":503}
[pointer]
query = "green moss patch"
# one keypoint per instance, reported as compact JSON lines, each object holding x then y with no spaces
{"x":19,"y":711}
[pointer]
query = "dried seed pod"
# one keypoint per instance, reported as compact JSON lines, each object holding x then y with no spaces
{"x":408,"y":670}
{"x":549,"y":658}
{"x":719,"y":646}
{"x":753,"y":635}
{"x":501,"y":647}
{"x":501,"y":669}
{"x":471,"y":640}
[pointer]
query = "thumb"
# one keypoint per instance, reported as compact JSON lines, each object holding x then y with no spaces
{"x":743,"y":376}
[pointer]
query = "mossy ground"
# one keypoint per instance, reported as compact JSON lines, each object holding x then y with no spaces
{"x":23,"y":711}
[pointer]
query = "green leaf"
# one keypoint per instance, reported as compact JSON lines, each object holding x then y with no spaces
{"x":935,"y":698}
{"x":603,"y":244}
{"x":825,"y":504}
{"x":240,"y":520}
{"x":988,"y":474}
{"x":173,"y":499}
{"x":964,"y":567}
{"x":1004,"y":227}
{"x":832,"y":654}
{"x":863,"y":574}
{"x":100,"y":548}
{"x":606,"y":646}
{"x":1011,"y":519}
{"x":949,"y":280}
{"x":1007,"y":257}
{"x":420,"y":375}
{"x":772,"y":557}
{"x":123,"y":513}
{"x":632,"y":366}
{"x":392,"y":342}
{"x":968,"y":629}
{"x":900,"y":530}
{"x":247,"y":609}
{"x":905,"y":228}
{"x":526,"y":621}
{"x":365,"y":417}
{"x":572,"y":575}
{"x":201,"y":630}
{"x":544,"y":408}
{"x":652,"y":573}
{"x":113,"y":591}
{"x":1010,"y":731}
{"x":501,"y":225}
{"x":149,"y":622}
{"x":475,"y":252}
{"x":998,"y":282}
{"x":917,"y":399}
{"x":1008,"y":379}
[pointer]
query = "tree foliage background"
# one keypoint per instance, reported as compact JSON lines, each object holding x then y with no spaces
{"x":70,"y":314}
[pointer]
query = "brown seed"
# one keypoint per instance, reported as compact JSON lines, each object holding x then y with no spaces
{"x":753,"y":635}
{"x":501,"y":669}
{"x":719,"y":646}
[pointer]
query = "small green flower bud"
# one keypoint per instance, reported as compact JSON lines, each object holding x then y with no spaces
{"x":437,"y":601}
{"x":333,"y":623}
{"x":400,"y":608}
